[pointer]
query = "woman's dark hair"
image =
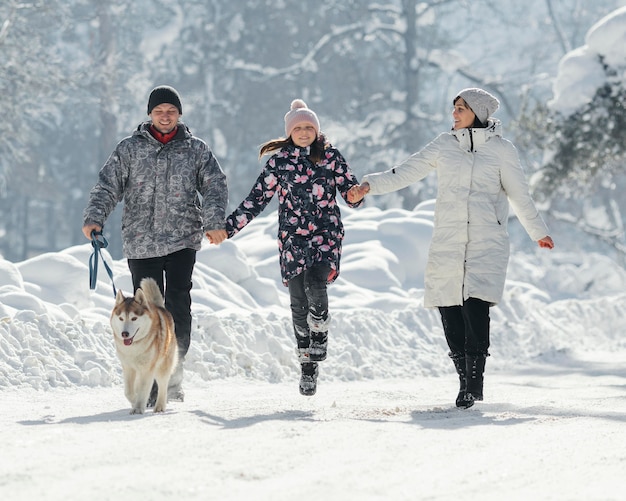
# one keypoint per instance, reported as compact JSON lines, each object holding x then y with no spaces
{"x":477,"y":123}
{"x":317,"y":147}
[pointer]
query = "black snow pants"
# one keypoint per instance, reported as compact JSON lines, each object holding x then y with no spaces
{"x":308,"y":294}
{"x":173,"y":275}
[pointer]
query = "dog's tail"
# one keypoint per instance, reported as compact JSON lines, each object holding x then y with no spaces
{"x":152,"y":292}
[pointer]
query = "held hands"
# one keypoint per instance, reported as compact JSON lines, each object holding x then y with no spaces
{"x":356,"y":193}
{"x":216,"y":236}
{"x":546,"y":243}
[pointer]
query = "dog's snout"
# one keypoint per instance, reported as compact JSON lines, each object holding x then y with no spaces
{"x":125,"y":334}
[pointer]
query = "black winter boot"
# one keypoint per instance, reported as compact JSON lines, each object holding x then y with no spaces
{"x":319,"y":346}
{"x":475,"y":368}
{"x":175,"y":386}
{"x":318,"y":326}
{"x":459,"y":365}
{"x":174,"y":389}
{"x":153,"y":395}
{"x":308,"y":379}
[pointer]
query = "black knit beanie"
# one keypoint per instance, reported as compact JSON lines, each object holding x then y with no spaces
{"x":164,"y":94}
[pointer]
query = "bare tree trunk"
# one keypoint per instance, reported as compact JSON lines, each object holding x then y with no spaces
{"x":106,"y":62}
{"x":411,"y":70}
{"x":565,"y":45}
{"x":25,"y":230}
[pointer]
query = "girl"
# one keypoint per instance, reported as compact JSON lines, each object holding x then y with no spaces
{"x":305,"y":171}
{"x":478,"y":173}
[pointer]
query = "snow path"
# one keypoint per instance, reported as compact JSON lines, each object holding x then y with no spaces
{"x":545,"y":431}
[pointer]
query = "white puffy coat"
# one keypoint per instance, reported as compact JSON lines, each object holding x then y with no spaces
{"x":478,"y":173}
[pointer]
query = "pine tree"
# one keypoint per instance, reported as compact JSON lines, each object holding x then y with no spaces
{"x":588,"y":145}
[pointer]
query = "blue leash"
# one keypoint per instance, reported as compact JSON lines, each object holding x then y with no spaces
{"x":98,"y":242}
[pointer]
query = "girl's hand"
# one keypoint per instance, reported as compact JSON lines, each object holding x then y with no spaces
{"x":546,"y":242}
{"x":356,"y":193}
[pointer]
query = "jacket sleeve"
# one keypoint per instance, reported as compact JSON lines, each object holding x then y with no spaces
{"x":213,"y":187}
{"x":515,"y":185}
{"x":108,"y":191}
{"x":345,"y":179}
{"x":413,"y":169}
{"x":261,"y":194}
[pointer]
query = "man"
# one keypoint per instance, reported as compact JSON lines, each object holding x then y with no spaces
{"x":173,"y":190}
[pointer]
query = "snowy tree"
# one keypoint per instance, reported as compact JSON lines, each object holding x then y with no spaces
{"x":586,"y":136}
{"x":31,"y":77}
{"x":380,"y":74}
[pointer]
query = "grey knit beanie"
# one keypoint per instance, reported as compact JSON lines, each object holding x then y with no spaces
{"x":481,"y":102}
{"x":300,"y":113}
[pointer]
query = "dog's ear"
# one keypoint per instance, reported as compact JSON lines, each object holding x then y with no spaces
{"x":119,"y":297}
{"x":140,"y":297}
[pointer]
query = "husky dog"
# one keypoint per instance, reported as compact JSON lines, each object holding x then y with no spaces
{"x":145,"y":343}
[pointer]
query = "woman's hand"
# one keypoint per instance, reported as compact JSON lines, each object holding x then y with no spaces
{"x":546,"y":242}
{"x":356,"y":193}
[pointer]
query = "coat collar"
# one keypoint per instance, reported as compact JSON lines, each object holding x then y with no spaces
{"x":143,"y":129}
{"x":471,"y":139}
{"x":296,"y":151}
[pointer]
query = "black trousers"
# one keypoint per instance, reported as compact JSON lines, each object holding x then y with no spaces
{"x":173,"y":275}
{"x":467,"y":327}
{"x":308,"y":294}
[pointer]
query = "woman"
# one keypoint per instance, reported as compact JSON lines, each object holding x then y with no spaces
{"x":478,"y":174}
{"x":305,"y":172}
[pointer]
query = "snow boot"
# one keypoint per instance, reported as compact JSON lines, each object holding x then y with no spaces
{"x":475,"y":368}
{"x":175,"y":386}
{"x":318,"y":324}
{"x":318,"y":347}
{"x":308,"y":379}
{"x":303,"y":355}
{"x":153,"y":395}
{"x":459,"y":365}
{"x":319,"y":336}
{"x":303,"y":335}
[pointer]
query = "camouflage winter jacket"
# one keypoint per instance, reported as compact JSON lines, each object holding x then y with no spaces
{"x":172,"y":193}
{"x":310,"y":230}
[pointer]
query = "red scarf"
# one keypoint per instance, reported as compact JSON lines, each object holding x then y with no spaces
{"x":161,"y":137}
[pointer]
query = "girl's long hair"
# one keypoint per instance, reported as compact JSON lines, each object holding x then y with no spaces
{"x":317,"y":147}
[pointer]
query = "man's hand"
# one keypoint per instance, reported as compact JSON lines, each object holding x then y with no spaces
{"x":216,"y":236}
{"x":88,"y":228}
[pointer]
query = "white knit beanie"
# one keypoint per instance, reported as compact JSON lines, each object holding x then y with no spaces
{"x":481,"y":102}
{"x":299,"y":113}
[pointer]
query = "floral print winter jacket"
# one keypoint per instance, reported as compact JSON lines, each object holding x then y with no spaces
{"x":160,"y":185}
{"x":310,"y":230}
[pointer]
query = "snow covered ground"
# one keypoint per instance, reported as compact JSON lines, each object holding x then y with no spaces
{"x":383,"y":424}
